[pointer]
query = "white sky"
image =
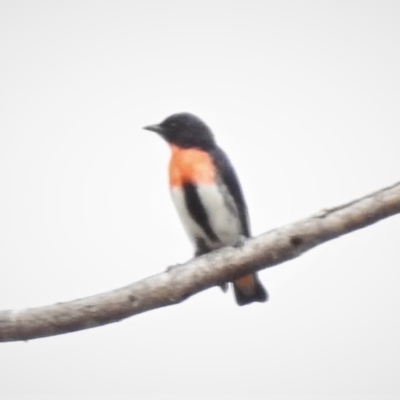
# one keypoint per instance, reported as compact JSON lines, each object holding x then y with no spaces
{"x":304,"y":97}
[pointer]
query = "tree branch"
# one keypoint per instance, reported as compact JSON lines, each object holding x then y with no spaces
{"x":181,"y":281}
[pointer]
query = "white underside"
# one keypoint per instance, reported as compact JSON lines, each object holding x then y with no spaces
{"x":221,"y":213}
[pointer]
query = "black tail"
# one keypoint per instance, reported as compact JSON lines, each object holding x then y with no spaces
{"x":249,"y":289}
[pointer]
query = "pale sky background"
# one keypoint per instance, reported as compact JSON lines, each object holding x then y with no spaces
{"x":303,"y":95}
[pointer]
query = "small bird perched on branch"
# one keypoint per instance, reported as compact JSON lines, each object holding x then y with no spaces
{"x":207,"y":194}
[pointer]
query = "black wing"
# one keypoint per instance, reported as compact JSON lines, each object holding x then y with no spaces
{"x":231,"y":181}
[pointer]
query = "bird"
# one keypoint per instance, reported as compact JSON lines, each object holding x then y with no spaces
{"x":207,"y":194}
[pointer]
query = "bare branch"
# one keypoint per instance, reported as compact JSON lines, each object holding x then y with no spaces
{"x":182,"y":281}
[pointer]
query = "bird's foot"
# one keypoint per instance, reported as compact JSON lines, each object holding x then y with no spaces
{"x":240,"y":242}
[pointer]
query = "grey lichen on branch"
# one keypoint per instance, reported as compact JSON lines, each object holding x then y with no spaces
{"x":180,"y":282}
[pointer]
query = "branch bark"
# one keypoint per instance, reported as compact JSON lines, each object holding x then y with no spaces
{"x":179,"y":282}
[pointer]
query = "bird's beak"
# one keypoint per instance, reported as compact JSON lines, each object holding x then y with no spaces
{"x":154,"y":128}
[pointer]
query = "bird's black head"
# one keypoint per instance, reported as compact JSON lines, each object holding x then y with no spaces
{"x":184,"y":130}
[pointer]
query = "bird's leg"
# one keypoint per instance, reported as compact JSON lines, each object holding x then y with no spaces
{"x":240,"y":242}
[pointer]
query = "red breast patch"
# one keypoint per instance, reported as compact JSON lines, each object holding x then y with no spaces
{"x":190,"y":165}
